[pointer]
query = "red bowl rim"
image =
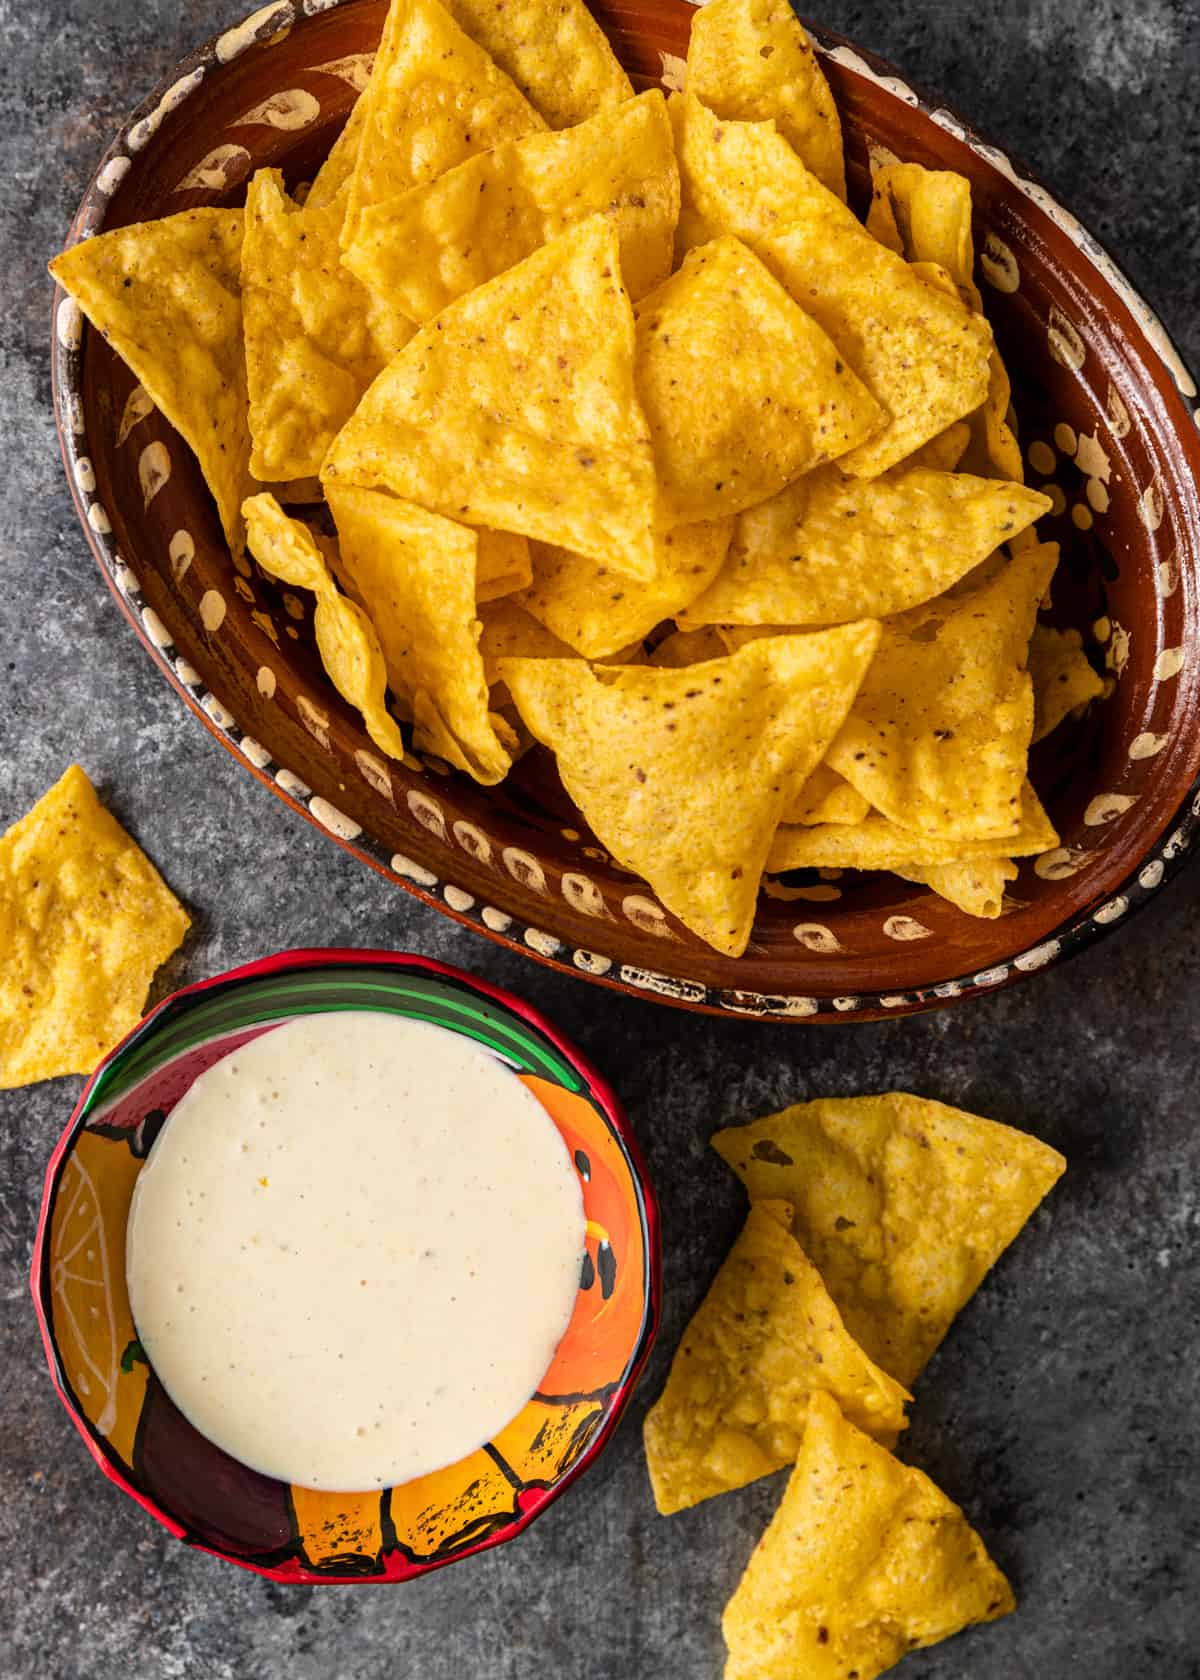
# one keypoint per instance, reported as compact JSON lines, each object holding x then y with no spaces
{"x":599,"y":1089}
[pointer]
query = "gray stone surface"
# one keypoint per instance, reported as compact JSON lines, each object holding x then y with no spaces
{"x":1063,"y":1410}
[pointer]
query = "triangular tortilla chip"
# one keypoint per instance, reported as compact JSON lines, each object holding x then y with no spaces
{"x":502,"y":564}
{"x":742,"y":389}
{"x":751,"y":61}
{"x":85,"y":923}
{"x":831,"y":548}
{"x":438,"y":241}
{"x":516,"y":408}
{"x":315,"y":337}
{"x":688,"y":647}
{"x":555,"y":52}
{"x":434,"y":98}
{"x":944,"y":452}
{"x":597,"y":610}
{"x":346,"y":641}
{"x":865,"y":1560}
{"x":683,"y":775}
{"x":902,"y":1204}
{"x":334,"y":174}
{"x":762,"y":1340}
{"x":1063,"y":679}
{"x":876,"y":843}
{"x":167,"y":297}
{"x":939,"y":735}
{"x":416,"y":575}
{"x":975,"y":887}
{"x":827,"y":797}
{"x":921,"y":353}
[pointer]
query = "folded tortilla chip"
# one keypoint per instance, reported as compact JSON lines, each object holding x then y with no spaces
{"x":751,"y":61}
{"x":596,"y":610}
{"x":683,"y":774}
{"x":315,"y":337}
{"x":286,"y":549}
{"x":334,"y":174}
{"x":1063,"y":678}
{"x":939,"y":735}
{"x":865,"y":1560}
{"x":831,"y":548}
{"x":85,"y":923}
{"x":167,"y":297}
{"x":432,"y":244}
{"x":742,"y":389}
{"x":876,"y":843}
{"x":827,"y":797}
{"x":762,"y":1340}
{"x":688,"y":647}
{"x":922,"y":353}
{"x":416,"y":574}
{"x":516,"y":408}
{"x":902,"y":1204}
{"x":555,"y":52}
{"x":975,"y":886}
{"x":435,"y":97}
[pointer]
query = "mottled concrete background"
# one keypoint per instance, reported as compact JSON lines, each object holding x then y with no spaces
{"x":1063,"y":1412}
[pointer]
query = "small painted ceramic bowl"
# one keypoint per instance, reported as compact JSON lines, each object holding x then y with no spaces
{"x":137,"y":1435}
{"x":1104,"y":407}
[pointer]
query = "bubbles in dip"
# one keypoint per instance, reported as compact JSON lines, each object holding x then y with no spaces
{"x":353,"y":1250}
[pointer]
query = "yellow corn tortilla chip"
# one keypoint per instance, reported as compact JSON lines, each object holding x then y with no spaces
{"x":85,"y":923}
{"x":555,"y":52}
{"x":334,"y":174}
{"x":743,"y":391}
{"x":939,"y":735}
{"x":751,"y":61}
{"x":502,"y":564}
{"x":346,"y":640}
{"x":434,"y":98}
{"x":1062,"y":677}
{"x":922,"y":354}
{"x":683,"y":775}
{"x":416,"y":573}
{"x":943,"y":452}
{"x":827,"y":797}
{"x":876,"y":843}
{"x":167,"y":297}
{"x":865,"y":1560}
{"x":596,"y":610}
{"x":436,"y":242}
{"x":315,"y":337}
{"x":902,"y":1204}
{"x":517,"y":409}
{"x":688,"y":647}
{"x":762,"y":1340}
{"x":509,"y":632}
{"x":830,"y":548}
{"x":975,"y":886}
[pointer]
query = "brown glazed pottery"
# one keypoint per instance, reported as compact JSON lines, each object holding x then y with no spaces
{"x":1104,"y":410}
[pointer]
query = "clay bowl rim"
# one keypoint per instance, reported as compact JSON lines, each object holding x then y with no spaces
{"x":1166,"y":851}
{"x":316,"y":958}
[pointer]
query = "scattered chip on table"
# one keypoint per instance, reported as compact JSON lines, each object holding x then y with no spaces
{"x":1063,"y":677}
{"x":684,"y":774}
{"x":555,"y":52}
{"x":436,"y":242}
{"x":829,"y":548}
{"x":938,"y":738}
{"x":752,"y":61}
{"x":167,"y":297}
{"x":86,"y":921}
{"x":743,"y":390}
{"x":902,"y":1204}
{"x":764,"y":1337}
{"x":865,"y":1560}
{"x":315,"y":337}
{"x":516,"y":408}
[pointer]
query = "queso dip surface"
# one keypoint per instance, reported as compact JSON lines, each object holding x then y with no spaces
{"x":353,"y":1250}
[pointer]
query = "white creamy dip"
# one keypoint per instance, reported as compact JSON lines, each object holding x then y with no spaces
{"x":353,"y":1250}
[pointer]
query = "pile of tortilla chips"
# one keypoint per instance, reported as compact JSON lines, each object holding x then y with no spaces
{"x":873,"y":1220}
{"x":628,"y":378}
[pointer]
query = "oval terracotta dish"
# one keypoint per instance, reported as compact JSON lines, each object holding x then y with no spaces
{"x":1103,"y":404}
{"x":131,"y":1426}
